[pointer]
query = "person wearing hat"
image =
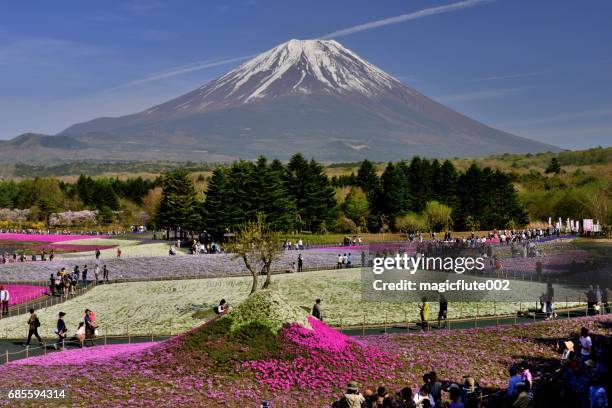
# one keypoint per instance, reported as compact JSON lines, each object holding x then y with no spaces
{"x":470,"y":391}
{"x":569,"y":350}
{"x":61,"y":332}
{"x":352,"y":398}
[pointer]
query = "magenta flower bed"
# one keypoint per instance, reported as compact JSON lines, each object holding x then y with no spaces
{"x":317,"y":366}
{"x":86,"y":356}
{"x":330,"y":359}
{"x":45,"y":237}
{"x":23,"y":293}
{"x":72,"y":247}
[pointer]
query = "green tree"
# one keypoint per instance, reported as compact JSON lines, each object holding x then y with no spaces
{"x":313,"y":195}
{"x":9,"y":191}
{"x":394,"y":199}
{"x":271,"y":197}
{"x":437,"y":216}
{"x":368,"y":180}
{"x":410,"y":222}
{"x":355,"y":206}
{"x":553,"y":166}
{"x":177,"y":205}
{"x":258,"y":246}
{"x":214,"y":209}
{"x":420,"y":181}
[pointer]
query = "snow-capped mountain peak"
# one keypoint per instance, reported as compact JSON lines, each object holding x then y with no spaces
{"x":294,"y":67}
{"x":307,"y":65}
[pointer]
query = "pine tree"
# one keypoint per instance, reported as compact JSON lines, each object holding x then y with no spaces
{"x":420,"y":181}
{"x":271,"y":197}
{"x":395,"y":197}
{"x":177,"y":207}
{"x":214,"y":210}
{"x":313,"y":195}
{"x":445,"y":184}
{"x":368,"y":180}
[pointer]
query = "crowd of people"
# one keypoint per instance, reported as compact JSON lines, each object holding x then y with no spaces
{"x":22,"y":257}
{"x":579,"y":380}
{"x":429,"y":394}
{"x":60,"y":232}
{"x":87,"y":330}
{"x":64,"y":283}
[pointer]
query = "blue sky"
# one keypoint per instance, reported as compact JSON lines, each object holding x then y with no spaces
{"x":539,"y":69}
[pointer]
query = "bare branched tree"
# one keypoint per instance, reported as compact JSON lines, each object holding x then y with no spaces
{"x":258,"y":247}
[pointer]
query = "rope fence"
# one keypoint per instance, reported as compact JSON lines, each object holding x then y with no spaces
{"x":571,"y":308}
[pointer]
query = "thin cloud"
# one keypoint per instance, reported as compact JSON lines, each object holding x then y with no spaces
{"x":561,"y":117}
{"x":406,"y":17}
{"x":184,"y":69}
{"x":502,"y":77}
{"x":347,"y":31}
{"x":479,"y":95}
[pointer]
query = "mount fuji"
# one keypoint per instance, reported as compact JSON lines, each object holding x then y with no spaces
{"x":310,"y":96}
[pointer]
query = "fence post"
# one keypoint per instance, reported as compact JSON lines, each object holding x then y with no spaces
{"x":385,"y":322}
{"x":363,"y":326}
{"x":105,"y":334}
{"x":7,"y":356}
{"x":477,"y":312}
{"x":27,"y":351}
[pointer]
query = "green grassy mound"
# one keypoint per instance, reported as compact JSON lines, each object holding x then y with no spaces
{"x":249,"y":331}
{"x":266,"y":308}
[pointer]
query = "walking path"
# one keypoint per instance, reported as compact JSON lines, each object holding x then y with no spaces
{"x":13,"y":349}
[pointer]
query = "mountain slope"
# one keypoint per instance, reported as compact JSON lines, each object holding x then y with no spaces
{"x":312,"y":96}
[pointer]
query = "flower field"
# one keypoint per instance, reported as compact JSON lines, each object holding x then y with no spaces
{"x":141,"y":265}
{"x":85,"y":356}
{"x":182,"y":304}
{"x":24,"y":293}
{"x":236,"y":365}
{"x":5,"y":236}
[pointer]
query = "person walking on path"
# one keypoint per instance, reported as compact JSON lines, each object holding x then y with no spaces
{"x":442,"y":311}
{"x":84,"y":276}
{"x":97,"y":273}
{"x":105,"y":273}
{"x":300,"y":263}
{"x":33,"y":325}
{"x":90,"y":328}
{"x":4,"y":299}
{"x":97,"y":253}
{"x":424,"y":313}
{"x":316,"y":310}
{"x":61,"y":331}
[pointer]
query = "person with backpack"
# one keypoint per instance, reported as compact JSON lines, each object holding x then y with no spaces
{"x":90,"y":326}
{"x":61,"y":331}
{"x":222,"y":307}
{"x":4,"y":299}
{"x":352,"y":398}
{"x":33,"y":325}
